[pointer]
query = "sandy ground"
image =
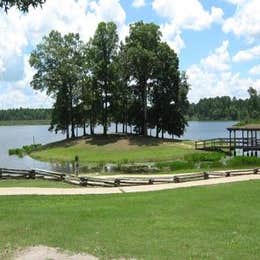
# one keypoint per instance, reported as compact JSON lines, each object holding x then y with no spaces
{"x":49,"y":253}
{"x":142,"y":188}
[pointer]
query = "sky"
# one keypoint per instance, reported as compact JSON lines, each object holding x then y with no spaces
{"x":218,"y":42}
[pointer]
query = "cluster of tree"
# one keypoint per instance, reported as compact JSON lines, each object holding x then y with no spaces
{"x":226,"y":108}
{"x":25,"y":114}
{"x":22,"y":5}
{"x":136,"y":83}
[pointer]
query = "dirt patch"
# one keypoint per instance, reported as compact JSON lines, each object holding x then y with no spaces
{"x":49,"y":253}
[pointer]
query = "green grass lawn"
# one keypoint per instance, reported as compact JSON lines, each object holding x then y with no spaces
{"x":115,"y":149}
{"x":34,"y":183}
{"x":214,"y":222}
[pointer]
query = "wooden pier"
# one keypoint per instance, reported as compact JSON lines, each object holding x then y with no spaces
{"x":243,"y":138}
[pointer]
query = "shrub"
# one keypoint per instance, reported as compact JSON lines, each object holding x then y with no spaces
{"x":27,"y":149}
{"x":241,"y":161}
{"x":176,"y":165}
{"x":204,"y":157}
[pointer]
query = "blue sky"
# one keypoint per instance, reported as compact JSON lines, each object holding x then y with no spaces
{"x":218,"y":42}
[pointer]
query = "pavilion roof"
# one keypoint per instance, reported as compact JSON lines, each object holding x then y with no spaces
{"x":248,"y":127}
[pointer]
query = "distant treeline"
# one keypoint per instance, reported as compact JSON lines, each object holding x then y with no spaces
{"x":25,"y":114}
{"x":226,"y":108}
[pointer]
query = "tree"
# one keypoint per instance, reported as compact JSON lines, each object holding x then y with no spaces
{"x":141,"y":46}
{"x":169,"y":94}
{"x":103,"y":52}
{"x":22,"y":5}
{"x":58,"y":64}
{"x":254,"y":103}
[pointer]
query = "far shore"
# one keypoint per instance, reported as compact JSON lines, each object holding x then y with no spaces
{"x":24,"y":122}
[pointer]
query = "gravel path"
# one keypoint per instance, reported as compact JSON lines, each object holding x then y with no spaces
{"x":143,"y":188}
{"x":45,"y":253}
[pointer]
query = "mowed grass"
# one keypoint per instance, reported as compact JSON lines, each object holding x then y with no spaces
{"x":214,"y":222}
{"x":115,"y":149}
{"x":34,"y":183}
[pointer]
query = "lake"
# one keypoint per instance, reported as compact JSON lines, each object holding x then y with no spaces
{"x":17,"y":136}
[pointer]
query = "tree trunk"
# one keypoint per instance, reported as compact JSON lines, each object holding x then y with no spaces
{"x":105,"y":118}
{"x":84,"y":129}
{"x":116,"y":127}
{"x":157,"y":132}
{"x":73,"y":129}
{"x":144,"y":108}
{"x":67,"y":132}
{"x":71,"y":114}
{"x":162,"y":134}
{"x":91,"y":127}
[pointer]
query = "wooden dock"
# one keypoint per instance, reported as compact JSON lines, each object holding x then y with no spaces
{"x":226,"y":144}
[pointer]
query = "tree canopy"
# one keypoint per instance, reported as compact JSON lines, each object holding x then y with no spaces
{"x":22,"y":5}
{"x":136,"y":84}
{"x":227,"y":108}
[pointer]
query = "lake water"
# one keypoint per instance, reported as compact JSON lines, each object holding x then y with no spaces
{"x":17,"y":136}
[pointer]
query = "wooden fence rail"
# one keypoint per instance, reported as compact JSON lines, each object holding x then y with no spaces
{"x":120,"y":181}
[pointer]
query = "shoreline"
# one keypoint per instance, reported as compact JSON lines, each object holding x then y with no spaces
{"x":24,"y":122}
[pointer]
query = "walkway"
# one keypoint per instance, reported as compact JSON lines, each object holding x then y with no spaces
{"x":144,"y":188}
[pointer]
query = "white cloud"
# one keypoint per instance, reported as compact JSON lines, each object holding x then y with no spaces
{"x":173,"y":37}
{"x":219,"y":59}
{"x":21,"y":32}
{"x":138,"y":3}
{"x":235,"y":2}
{"x":188,"y":14}
{"x":255,"y":70}
{"x":248,"y":54}
{"x":184,"y":14}
{"x":213,"y":77}
{"x":245,"y":22}
{"x":21,"y":94}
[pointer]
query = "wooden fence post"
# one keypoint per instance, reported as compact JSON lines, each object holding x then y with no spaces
{"x":176,"y":179}
{"x":227,"y":174}
{"x":32,"y":174}
{"x":206,"y":175}
{"x":117,"y":182}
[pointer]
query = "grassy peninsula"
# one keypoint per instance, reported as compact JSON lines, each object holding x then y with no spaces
{"x":113,"y":148}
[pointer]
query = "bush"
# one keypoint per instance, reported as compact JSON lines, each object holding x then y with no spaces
{"x":27,"y":149}
{"x":241,"y":161}
{"x":204,"y":157}
{"x":176,"y":165}
{"x":211,"y":165}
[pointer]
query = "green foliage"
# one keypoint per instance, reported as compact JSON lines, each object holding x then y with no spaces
{"x":22,"y":5}
{"x":207,"y":156}
{"x":226,"y":108}
{"x":241,"y":161}
{"x":102,"y":81}
{"x":176,"y":165}
{"x":27,"y":149}
{"x":248,"y":122}
{"x":103,"y":52}
{"x":58,"y":61}
{"x":25,"y":114}
{"x":193,"y":161}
